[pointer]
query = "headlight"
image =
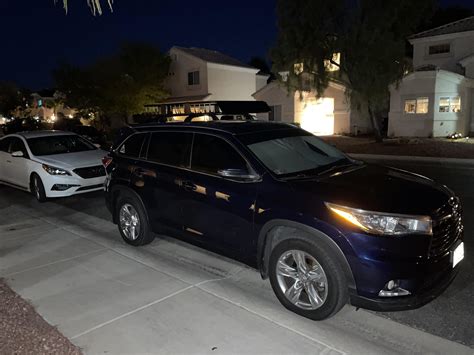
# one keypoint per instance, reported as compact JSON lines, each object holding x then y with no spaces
{"x":383,"y":223}
{"x":55,"y":171}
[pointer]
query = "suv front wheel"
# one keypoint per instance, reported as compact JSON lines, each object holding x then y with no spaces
{"x":132,"y":221}
{"x":306,"y":279}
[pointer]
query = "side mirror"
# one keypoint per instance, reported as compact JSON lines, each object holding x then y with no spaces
{"x":240,"y":174}
{"x":18,"y":154}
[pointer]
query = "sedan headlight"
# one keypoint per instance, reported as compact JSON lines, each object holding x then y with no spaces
{"x":55,"y":171}
{"x":383,"y":223}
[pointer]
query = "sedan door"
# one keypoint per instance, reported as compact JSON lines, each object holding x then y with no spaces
{"x":16,"y":167}
{"x":4,"y":156}
{"x":219,"y":210}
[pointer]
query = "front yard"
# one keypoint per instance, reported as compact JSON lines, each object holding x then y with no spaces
{"x":424,"y":147}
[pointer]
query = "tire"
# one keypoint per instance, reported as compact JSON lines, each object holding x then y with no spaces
{"x":37,"y":188}
{"x":323,"y":278}
{"x":132,"y":220}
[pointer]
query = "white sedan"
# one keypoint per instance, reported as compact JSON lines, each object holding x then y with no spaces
{"x":51,"y":163}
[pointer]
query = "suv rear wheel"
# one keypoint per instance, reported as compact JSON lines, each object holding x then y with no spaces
{"x":306,"y":279}
{"x":133,"y":221}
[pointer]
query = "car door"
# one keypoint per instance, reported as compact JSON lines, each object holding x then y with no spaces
{"x":219,"y":210}
{"x":4,"y":156}
{"x":161,"y":177}
{"x":16,"y":167}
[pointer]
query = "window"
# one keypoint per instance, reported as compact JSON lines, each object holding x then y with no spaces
{"x":450,"y":104}
{"x":440,"y":49}
{"x":419,"y":105}
{"x":170,"y":148}
{"x":293,"y":152}
{"x":193,"y":78}
{"x":17,"y":145}
{"x":422,"y":105}
{"x":211,"y":154}
{"x":132,"y":145}
{"x":410,"y":106}
{"x":5,"y":144}
{"x":56,"y":144}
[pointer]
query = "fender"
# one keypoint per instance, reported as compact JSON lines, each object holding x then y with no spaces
{"x":264,"y":246}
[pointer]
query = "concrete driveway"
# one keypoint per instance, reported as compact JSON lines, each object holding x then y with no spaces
{"x":169,"y":297}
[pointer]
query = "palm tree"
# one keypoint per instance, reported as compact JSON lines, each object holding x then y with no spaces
{"x":95,"y":5}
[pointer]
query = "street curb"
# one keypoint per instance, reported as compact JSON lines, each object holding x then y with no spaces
{"x":433,"y":160}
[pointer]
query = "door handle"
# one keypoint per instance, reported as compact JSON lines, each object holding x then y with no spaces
{"x":189,"y":186}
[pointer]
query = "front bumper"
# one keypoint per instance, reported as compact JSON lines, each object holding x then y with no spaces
{"x":431,"y":289}
{"x":53,"y":185}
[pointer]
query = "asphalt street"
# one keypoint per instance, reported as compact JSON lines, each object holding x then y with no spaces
{"x":449,"y":316}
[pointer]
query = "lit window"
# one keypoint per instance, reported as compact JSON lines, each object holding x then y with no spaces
{"x":334,"y":64}
{"x":455,"y":104}
{"x":298,"y":68}
{"x":419,"y":105}
{"x":410,"y":106}
{"x":440,"y":49}
{"x":193,"y":78}
{"x":422,"y":105}
{"x":444,"y":104}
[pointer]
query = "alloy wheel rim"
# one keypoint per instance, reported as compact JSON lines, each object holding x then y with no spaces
{"x":302,"y":279}
{"x":37,"y":189}
{"x":129,"y":221}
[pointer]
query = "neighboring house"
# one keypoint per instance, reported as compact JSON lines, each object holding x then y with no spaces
{"x":436,"y":99}
{"x":46,"y":105}
{"x":329,"y":114}
{"x":203,"y":75}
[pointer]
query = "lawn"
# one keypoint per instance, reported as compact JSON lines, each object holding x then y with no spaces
{"x":424,"y":147}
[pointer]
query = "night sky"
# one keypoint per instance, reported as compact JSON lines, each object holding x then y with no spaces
{"x":36,"y":35}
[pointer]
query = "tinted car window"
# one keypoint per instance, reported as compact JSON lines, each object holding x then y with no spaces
{"x":211,"y":154}
{"x":5,"y":144}
{"x":171,"y":148}
{"x":50,"y":145}
{"x":18,"y":146}
{"x":133,"y":145}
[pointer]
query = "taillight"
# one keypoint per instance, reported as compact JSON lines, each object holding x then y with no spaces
{"x":106,"y":161}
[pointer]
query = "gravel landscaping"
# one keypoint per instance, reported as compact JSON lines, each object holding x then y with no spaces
{"x":23,"y":331}
{"x":423,"y":147}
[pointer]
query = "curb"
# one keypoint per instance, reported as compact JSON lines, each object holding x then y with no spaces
{"x":432,"y":160}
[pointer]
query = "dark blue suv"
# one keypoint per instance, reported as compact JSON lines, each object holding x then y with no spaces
{"x":324,"y":228}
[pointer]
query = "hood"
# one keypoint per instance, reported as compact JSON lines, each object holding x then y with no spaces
{"x":71,"y":161}
{"x":377,"y":188}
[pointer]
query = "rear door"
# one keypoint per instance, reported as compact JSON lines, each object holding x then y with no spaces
{"x":218,"y":210}
{"x":161,"y":177}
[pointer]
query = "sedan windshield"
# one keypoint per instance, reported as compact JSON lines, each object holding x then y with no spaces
{"x":295,"y":153}
{"x":56,"y":144}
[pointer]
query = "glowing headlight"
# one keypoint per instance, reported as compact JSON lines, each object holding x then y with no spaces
{"x":55,"y":171}
{"x":383,"y":223}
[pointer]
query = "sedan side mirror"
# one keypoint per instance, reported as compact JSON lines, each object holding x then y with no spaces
{"x":240,"y":174}
{"x":18,"y":154}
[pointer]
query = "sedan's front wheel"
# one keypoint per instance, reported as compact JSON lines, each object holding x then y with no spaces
{"x":306,"y":279}
{"x":37,"y":188}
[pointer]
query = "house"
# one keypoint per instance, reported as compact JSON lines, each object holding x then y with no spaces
{"x":47,"y":106}
{"x":329,"y":114}
{"x":202,"y":75}
{"x":436,"y":99}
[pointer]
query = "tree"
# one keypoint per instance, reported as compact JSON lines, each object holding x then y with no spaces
{"x":95,"y":5}
{"x":370,"y":36}
{"x":116,"y":86}
{"x":261,"y":63}
{"x":10,"y":98}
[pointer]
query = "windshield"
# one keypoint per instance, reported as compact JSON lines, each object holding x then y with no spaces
{"x":294,"y":154}
{"x":51,"y":145}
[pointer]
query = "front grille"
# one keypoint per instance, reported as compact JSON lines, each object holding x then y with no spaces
{"x":90,"y":172}
{"x":447,"y":228}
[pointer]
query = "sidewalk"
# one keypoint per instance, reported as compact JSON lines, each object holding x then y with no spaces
{"x":170,"y":297}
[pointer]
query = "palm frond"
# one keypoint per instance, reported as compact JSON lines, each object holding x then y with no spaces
{"x":95,"y":6}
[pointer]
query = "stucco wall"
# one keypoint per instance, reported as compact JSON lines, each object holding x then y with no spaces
{"x":273,"y":95}
{"x":181,"y":65}
{"x":227,"y":83}
{"x":462,"y":45}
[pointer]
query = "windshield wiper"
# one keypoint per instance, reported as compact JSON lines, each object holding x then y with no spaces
{"x":338,"y":164}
